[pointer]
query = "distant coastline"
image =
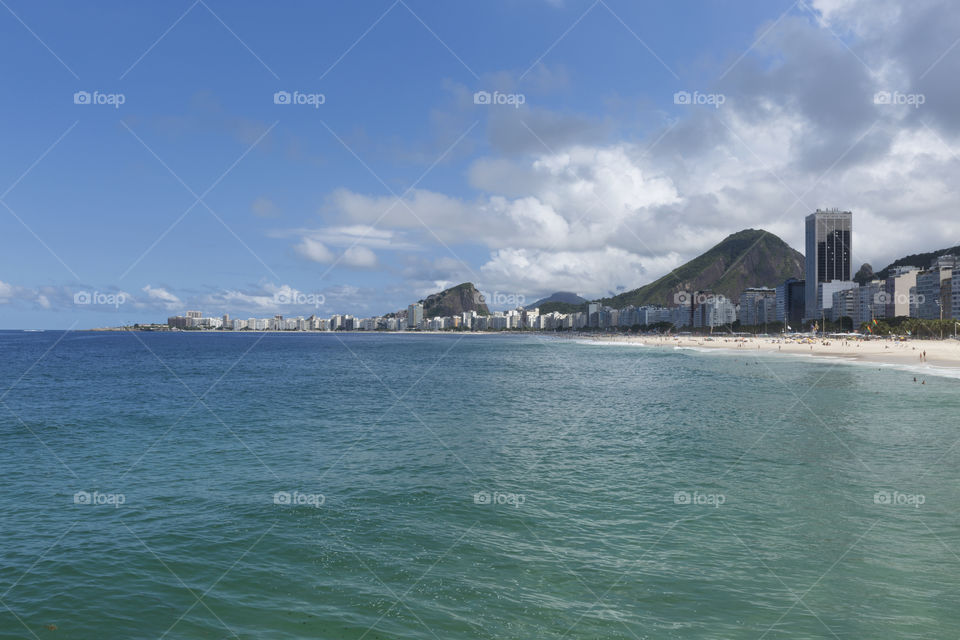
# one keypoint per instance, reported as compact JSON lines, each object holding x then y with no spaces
{"x":308,"y":332}
{"x":930,"y":353}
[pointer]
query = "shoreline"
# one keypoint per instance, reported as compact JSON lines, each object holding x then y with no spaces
{"x":918,"y":356}
{"x":942,"y":357}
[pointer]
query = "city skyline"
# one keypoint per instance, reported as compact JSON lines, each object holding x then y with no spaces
{"x":918,"y":290}
{"x":923,"y":290}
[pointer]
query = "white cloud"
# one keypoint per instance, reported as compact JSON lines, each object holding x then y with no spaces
{"x":420,"y":211}
{"x":162,"y":295}
{"x":7,"y":292}
{"x":314,"y":250}
{"x":12,"y":294}
{"x":357,"y":235}
{"x":600,"y":272}
{"x":358,"y":241}
{"x":576,"y":199}
{"x":360,"y":257}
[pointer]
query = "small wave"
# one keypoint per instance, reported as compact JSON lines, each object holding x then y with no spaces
{"x":716,"y":350}
{"x":919,"y":369}
{"x":611,"y":343}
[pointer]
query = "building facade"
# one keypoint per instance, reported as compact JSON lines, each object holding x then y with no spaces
{"x":714,"y":311}
{"x":758,"y":305}
{"x":829,"y":251}
{"x":825,"y":296}
{"x":414,"y":316}
{"x":955,"y":298}
{"x":929,"y":294}
{"x":842,"y":305}
{"x":897,"y":288}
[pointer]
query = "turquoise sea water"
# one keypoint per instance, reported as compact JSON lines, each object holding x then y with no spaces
{"x":398,"y":486}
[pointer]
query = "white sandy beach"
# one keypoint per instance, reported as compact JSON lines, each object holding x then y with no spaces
{"x":938,"y":353}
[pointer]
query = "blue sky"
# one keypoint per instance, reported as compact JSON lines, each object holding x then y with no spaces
{"x":199,"y":191}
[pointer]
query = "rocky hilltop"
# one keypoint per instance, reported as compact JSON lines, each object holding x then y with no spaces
{"x":748,"y":258}
{"x":454,"y":301}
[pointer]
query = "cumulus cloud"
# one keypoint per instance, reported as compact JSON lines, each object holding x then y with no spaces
{"x":560,"y":206}
{"x":7,"y":292}
{"x":604,"y":271}
{"x":13,"y":294}
{"x":160,"y":294}
{"x":360,"y":257}
{"x":576,"y":199}
{"x":314,"y":250}
{"x":357,"y":242}
{"x":363,"y":235}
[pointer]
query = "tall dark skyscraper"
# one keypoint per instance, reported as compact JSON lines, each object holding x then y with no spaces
{"x":828,"y":252}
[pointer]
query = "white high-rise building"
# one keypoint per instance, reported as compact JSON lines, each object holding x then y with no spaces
{"x":414,"y":316}
{"x":758,"y":306}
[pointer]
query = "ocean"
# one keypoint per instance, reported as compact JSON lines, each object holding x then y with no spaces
{"x":380,"y":486}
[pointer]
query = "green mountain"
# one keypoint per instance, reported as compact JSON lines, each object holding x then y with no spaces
{"x":748,"y":258}
{"x":921,"y":260}
{"x":560,"y":296}
{"x":561,"y":301}
{"x":454,"y":301}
